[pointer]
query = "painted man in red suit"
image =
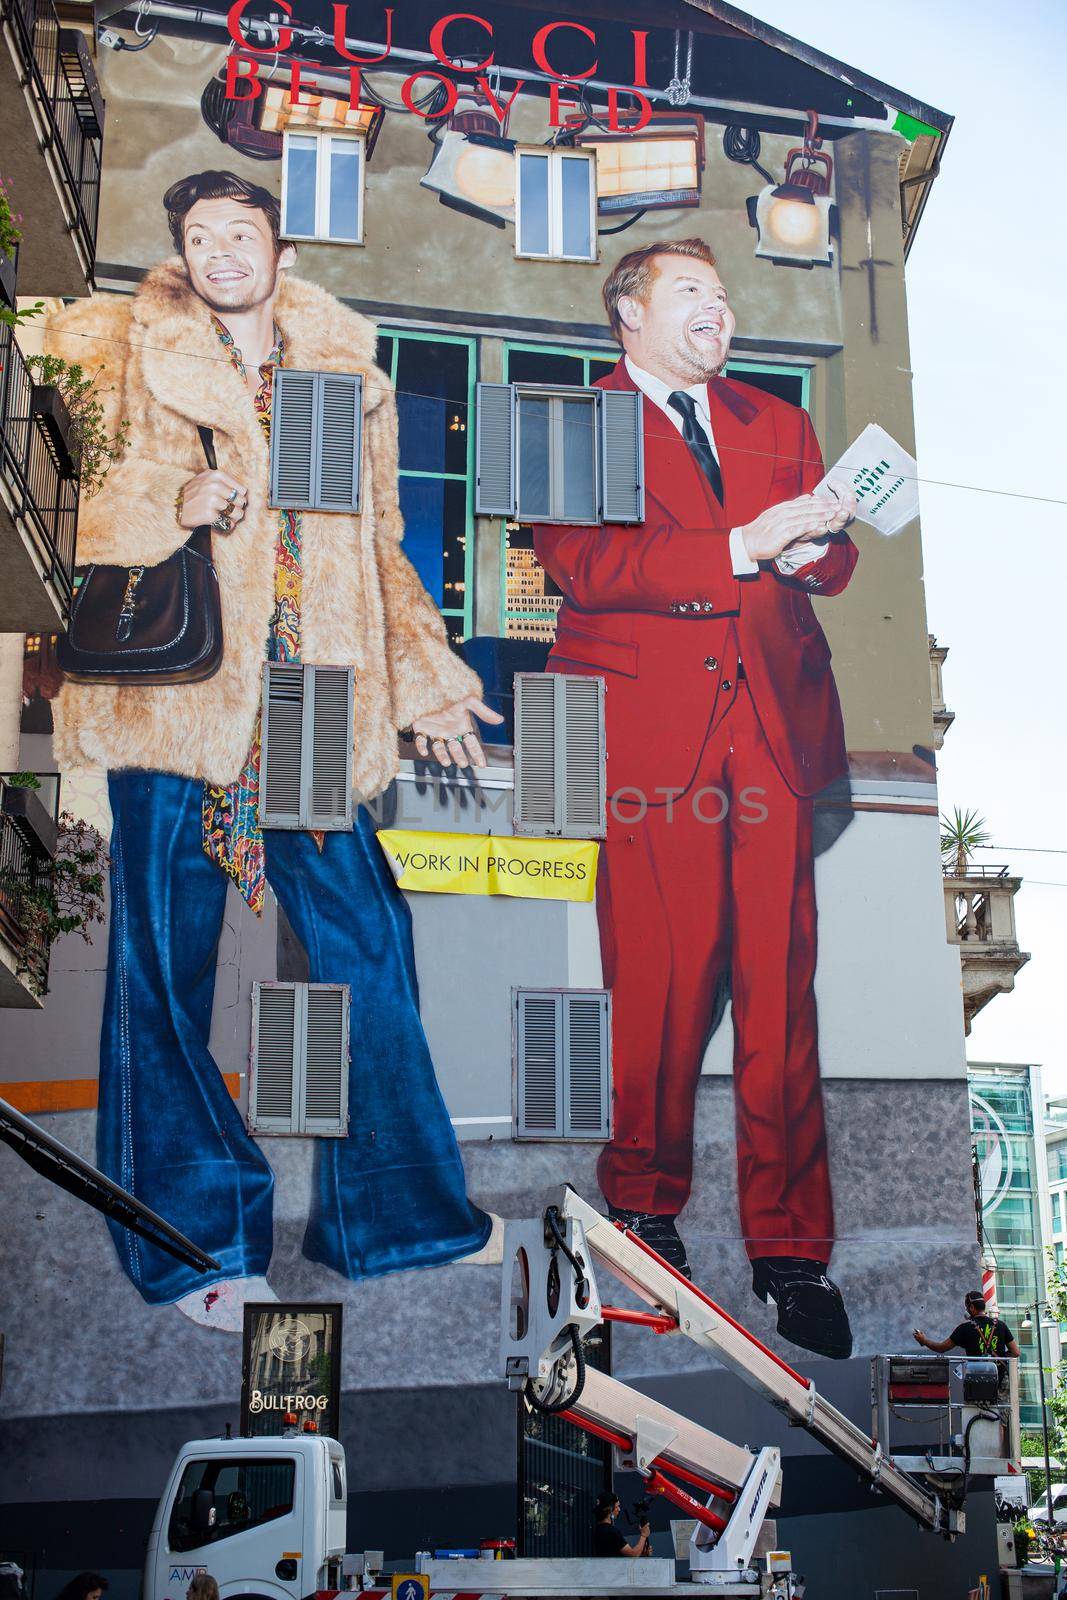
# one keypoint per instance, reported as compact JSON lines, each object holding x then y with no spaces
{"x":723,"y":722}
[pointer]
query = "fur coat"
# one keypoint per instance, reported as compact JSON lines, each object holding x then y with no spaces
{"x":165,"y":370}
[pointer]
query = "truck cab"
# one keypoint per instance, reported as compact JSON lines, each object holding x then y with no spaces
{"x":266,"y":1517}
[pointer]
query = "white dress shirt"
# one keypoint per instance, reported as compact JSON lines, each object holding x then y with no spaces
{"x":798,"y":555}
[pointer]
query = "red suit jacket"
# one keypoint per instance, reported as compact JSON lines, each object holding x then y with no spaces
{"x":654,"y":607}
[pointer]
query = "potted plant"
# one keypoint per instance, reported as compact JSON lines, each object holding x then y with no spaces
{"x":19,"y":801}
{"x":10,"y":234}
{"x":63,"y":389}
{"x":65,"y":896}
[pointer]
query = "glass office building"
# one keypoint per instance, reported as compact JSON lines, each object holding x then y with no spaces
{"x":1007,"y":1123}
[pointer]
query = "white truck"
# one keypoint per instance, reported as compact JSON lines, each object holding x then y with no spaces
{"x":267,"y":1516}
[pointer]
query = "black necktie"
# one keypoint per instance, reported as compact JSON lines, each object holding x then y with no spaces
{"x":697,"y":440}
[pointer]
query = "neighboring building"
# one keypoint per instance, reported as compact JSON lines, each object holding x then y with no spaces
{"x":51,"y":133}
{"x":1017,"y":1223}
{"x":943,"y":717}
{"x":477,"y":241}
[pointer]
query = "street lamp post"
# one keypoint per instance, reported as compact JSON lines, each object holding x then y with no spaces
{"x":1037,"y":1306}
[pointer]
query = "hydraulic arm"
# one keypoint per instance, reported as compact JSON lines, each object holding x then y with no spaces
{"x":551,"y":1300}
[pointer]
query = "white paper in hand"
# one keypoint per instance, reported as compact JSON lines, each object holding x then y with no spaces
{"x":884,"y":477}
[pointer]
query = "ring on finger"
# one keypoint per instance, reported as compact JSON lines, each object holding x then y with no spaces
{"x":222,"y":523}
{"x":232,"y":496}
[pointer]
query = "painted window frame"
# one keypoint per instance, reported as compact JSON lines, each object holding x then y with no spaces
{"x":324,"y":142}
{"x":555,"y":158}
{"x":470,"y":343}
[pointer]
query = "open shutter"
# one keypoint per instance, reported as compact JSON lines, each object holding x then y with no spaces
{"x":327,"y":776}
{"x":494,"y":494}
{"x":273,"y":1091}
{"x":584,"y":777}
{"x":586,"y":1061}
{"x":536,"y":809}
{"x":538,"y":1065}
{"x":339,"y":442}
{"x":326,"y":1059}
{"x":280,"y":787}
{"x":622,"y":456}
{"x":293,"y":427}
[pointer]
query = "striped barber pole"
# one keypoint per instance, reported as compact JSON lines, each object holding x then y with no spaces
{"x":989,"y":1285}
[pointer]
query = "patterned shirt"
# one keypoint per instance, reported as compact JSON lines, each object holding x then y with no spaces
{"x":233,"y":838}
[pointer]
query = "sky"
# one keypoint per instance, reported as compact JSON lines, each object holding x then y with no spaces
{"x":987,"y":288}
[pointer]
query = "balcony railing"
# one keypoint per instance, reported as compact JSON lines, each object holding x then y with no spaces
{"x":44,"y":493}
{"x":980,"y":918}
{"x":25,"y":869}
{"x":57,"y":65}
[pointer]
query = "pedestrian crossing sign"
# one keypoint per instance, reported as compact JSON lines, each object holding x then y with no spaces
{"x":411,"y":1586}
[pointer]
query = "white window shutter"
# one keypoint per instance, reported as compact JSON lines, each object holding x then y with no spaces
{"x":281,"y":766}
{"x":586,"y":1065}
{"x":273,"y":1089}
{"x":536,"y":801}
{"x":326,"y":1059}
{"x":494,"y":494}
{"x":327,"y":767}
{"x":584,"y":777}
{"x":293,"y":429}
{"x":622,"y":456}
{"x":538,"y":1065}
{"x":339,"y":442}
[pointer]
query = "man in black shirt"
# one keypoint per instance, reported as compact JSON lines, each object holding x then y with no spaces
{"x":980,"y":1335}
{"x":607,"y":1540}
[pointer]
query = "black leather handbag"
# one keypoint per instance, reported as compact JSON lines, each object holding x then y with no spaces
{"x":148,"y":625}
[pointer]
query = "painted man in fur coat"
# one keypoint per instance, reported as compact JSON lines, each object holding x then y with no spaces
{"x":198,"y":344}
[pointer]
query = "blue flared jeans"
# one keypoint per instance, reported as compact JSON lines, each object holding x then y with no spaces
{"x":391,"y":1194}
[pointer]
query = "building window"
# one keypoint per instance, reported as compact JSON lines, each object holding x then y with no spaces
{"x":560,"y":766}
{"x":299,"y":1081}
{"x":1059,"y":1254}
{"x":434,"y":379}
{"x":305,"y":768}
{"x":315,"y":440}
{"x":555,"y":205}
{"x":559,"y":455}
{"x":529,"y":598}
{"x":562,"y":1064}
{"x":1057,"y":1216}
{"x":322,"y":187}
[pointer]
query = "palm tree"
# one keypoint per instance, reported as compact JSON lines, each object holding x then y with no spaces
{"x":962,"y":834}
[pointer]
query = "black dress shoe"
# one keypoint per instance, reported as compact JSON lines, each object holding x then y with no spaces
{"x":811,"y":1312}
{"x":657,"y":1231}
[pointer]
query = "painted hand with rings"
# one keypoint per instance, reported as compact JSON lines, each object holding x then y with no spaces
{"x":449,"y":735}
{"x":214,"y":498}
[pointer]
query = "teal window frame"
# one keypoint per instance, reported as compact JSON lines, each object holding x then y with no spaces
{"x":586,"y":354}
{"x":470,"y":343}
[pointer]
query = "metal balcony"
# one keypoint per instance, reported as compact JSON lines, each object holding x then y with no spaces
{"x":980,"y":918}
{"x":51,"y":133}
{"x":28,"y":832}
{"x":38,"y":501}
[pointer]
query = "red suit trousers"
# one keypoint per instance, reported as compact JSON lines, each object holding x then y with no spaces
{"x":718,"y":878}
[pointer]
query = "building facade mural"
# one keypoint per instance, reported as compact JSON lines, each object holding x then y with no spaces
{"x":596,"y":344}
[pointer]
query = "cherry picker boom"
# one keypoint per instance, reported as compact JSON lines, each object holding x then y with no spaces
{"x":551,"y":1300}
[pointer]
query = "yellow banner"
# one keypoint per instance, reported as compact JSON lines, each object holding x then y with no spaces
{"x":470,"y":863}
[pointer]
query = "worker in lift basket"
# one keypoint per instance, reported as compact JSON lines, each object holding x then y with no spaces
{"x":607,"y":1540}
{"x":980,"y":1335}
